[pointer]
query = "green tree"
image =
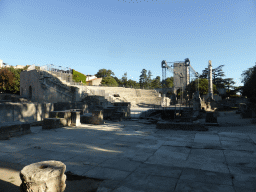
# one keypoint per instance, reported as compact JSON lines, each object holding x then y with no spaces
{"x":156,"y":83}
{"x":119,"y":81}
{"x":228,"y":83}
{"x":217,"y":76}
{"x":249,"y":80}
{"x":203,"y":87}
{"x":149,"y":80}
{"x":104,"y":73}
{"x":7,"y":81}
{"x":168,"y":82}
{"x":124,"y":79}
{"x":13,"y":79}
{"x":109,"y":81}
{"x":143,"y":78}
{"x":133,"y":84}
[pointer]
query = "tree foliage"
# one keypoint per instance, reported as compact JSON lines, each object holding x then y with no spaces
{"x":156,"y":83}
{"x":203,"y":87}
{"x":10,"y":79}
{"x":249,"y":80}
{"x":168,"y":82}
{"x":109,"y":81}
{"x":229,"y":83}
{"x":104,"y":73}
{"x":124,"y":79}
{"x":217,"y":76}
{"x":7,"y":80}
{"x":143,"y":78}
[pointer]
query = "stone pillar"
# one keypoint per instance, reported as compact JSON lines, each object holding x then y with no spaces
{"x":75,"y":118}
{"x":210,"y":89}
{"x":43,"y":176}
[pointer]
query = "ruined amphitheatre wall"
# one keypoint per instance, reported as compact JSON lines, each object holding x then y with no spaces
{"x":40,"y":86}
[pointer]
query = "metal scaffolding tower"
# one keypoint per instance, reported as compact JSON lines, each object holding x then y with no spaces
{"x":181,"y":75}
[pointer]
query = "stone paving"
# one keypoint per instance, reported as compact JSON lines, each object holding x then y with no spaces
{"x":134,"y":157}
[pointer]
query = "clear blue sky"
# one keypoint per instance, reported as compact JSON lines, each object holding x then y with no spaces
{"x":129,"y":35}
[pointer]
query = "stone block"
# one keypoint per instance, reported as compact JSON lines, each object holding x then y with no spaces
{"x":62,"y":114}
{"x":119,"y":116}
{"x":86,"y":118}
{"x":43,"y":176}
{"x":97,"y":117}
{"x":12,"y":129}
{"x":52,"y":123}
{"x":108,"y":112}
{"x":211,"y":117}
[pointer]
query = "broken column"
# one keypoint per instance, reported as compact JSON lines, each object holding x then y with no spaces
{"x":43,"y":176}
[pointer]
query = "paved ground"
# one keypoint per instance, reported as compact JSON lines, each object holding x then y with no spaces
{"x":132,"y":156}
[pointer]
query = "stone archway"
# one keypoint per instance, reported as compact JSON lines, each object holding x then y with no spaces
{"x":30,"y":92}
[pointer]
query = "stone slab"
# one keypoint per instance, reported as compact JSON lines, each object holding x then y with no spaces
{"x":123,"y":164}
{"x":144,"y":182}
{"x":13,"y":129}
{"x":181,"y":126}
{"x":187,"y":185}
{"x":213,"y":177}
{"x":107,"y":173}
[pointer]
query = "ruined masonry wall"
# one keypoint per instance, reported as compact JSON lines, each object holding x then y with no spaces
{"x":24,"y":112}
{"x":46,"y":88}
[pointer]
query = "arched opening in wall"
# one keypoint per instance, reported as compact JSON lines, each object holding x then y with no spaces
{"x":30,"y":92}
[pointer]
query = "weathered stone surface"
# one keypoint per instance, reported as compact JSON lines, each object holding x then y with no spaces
{"x":97,"y":117}
{"x":75,"y":118}
{"x":86,"y":118}
{"x":189,"y":126}
{"x":52,"y":123}
{"x":109,"y":112}
{"x":62,"y":114}
{"x":12,"y":129}
{"x":43,"y":176}
{"x":211,"y":117}
{"x":124,"y":107}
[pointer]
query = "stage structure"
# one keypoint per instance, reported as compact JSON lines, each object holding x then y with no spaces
{"x":181,"y":75}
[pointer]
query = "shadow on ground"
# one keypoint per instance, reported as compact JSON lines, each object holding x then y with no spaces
{"x":74,"y":183}
{"x":8,"y":187}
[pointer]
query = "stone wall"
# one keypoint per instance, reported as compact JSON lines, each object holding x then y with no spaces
{"x":24,"y":112}
{"x":41,"y":86}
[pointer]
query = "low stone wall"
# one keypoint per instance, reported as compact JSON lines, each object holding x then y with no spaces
{"x":24,"y":112}
{"x":12,"y":129}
